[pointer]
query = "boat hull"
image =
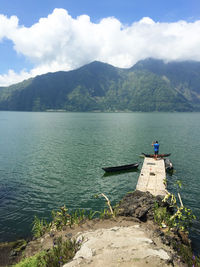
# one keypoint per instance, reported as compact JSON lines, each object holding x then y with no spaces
{"x":158,"y":156}
{"x":121,"y":168}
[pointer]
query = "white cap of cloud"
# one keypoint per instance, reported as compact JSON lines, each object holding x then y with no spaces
{"x":60,"y":42}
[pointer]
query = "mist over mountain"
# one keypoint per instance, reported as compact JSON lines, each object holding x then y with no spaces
{"x":150,"y":85}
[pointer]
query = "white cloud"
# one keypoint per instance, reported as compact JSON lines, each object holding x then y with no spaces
{"x":7,"y":25}
{"x":13,"y":77}
{"x":60,"y":42}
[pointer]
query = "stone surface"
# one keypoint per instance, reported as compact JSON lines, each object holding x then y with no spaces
{"x":152,"y":177}
{"x":119,"y":246}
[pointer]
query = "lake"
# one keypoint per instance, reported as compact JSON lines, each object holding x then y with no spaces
{"x":49,"y":159}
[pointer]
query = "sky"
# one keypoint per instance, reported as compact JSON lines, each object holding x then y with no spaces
{"x":43,"y":36}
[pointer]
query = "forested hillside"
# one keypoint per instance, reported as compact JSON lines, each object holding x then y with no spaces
{"x":150,"y":85}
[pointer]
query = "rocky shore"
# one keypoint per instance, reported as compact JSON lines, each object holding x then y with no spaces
{"x":132,"y":238}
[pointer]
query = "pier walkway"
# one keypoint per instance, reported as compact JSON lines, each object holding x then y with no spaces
{"x":152,"y":177}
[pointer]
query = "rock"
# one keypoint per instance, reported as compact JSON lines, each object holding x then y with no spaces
{"x":119,"y":246}
{"x":85,"y":252}
{"x":139,"y":205}
{"x":11,"y":251}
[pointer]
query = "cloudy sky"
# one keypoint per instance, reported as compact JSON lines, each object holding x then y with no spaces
{"x":40,"y":36}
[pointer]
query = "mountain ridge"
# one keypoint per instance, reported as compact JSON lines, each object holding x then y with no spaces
{"x":150,"y":85}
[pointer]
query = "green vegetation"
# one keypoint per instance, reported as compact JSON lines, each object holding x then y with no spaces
{"x":61,"y":253}
{"x":177,"y":218}
{"x":40,"y":227}
{"x":31,"y":261}
{"x":182,"y":217}
{"x":150,"y":85}
{"x":62,"y":218}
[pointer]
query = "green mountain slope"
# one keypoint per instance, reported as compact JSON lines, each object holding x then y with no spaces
{"x":150,"y":85}
{"x":184,"y":77}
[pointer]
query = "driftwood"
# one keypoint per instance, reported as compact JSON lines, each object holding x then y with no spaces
{"x":108,"y":202}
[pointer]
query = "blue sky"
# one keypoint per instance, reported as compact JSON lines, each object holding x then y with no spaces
{"x":29,"y":47}
{"x":127,"y":11}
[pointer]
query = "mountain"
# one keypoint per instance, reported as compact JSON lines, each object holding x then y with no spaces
{"x":150,"y":85}
{"x":184,"y":77}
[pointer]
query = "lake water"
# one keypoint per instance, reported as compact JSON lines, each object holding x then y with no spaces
{"x":51,"y":159}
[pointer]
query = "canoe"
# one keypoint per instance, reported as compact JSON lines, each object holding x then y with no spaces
{"x":121,"y":168}
{"x":158,"y":156}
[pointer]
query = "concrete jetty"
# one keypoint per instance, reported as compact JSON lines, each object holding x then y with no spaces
{"x":152,"y":177}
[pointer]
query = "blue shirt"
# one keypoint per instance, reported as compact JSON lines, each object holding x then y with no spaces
{"x":156,"y":147}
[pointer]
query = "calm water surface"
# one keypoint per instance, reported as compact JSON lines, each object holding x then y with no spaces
{"x":51,"y":159}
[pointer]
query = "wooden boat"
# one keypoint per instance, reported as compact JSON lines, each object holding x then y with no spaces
{"x":121,"y":168}
{"x":158,"y":156}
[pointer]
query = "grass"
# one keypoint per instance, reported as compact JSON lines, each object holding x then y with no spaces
{"x":40,"y":227}
{"x":61,"y":253}
{"x":63,"y":218}
{"x":31,"y":261}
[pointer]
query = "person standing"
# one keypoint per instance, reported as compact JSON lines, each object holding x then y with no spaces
{"x":156,"y":148}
